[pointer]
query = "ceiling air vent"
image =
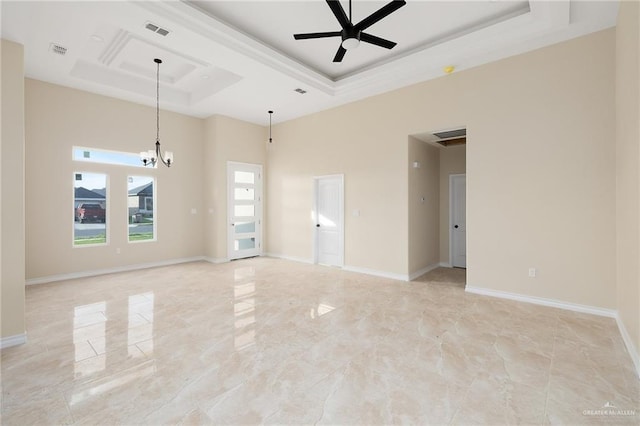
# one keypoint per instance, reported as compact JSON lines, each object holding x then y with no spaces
{"x":57,"y":49}
{"x":156,"y":29}
{"x":452,"y":137}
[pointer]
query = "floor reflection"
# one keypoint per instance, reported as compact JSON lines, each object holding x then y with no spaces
{"x":98,"y":336}
{"x":320,"y":310}
{"x":89,"y":323}
{"x":244,"y":291}
{"x":140,"y":323}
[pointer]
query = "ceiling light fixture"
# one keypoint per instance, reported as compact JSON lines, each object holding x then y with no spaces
{"x":151,"y":157}
{"x":350,"y":39}
{"x":270,"y":113}
{"x":352,"y":34}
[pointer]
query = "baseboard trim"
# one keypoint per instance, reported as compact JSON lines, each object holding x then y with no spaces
{"x":376,"y":273}
{"x":18,"y":339}
{"x":85,"y":274}
{"x":603,"y":312}
{"x":366,"y":271}
{"x":291,"y":258}
{"x":423,"y":271}
{"x":215,"y":260}
{"x":446,"y":265}
{"x":629,"y":344}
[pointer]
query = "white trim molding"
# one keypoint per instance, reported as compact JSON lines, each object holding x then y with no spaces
{"x":366,"y":271}
{"x":633,"y":352}
{"x":291,"y":258}
{"x":423,"y":271}
{"x":215,"y":260}
{"x":594,"y":310}
{"x":84,"y":274}
{"x":18,"y":339}
{"x":382,"y":274}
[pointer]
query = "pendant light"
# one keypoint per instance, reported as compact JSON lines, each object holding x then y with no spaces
{"x":270,"y":140}
{"x":151,"y":157}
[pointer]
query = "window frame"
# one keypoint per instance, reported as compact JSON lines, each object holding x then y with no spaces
{"x":107,"y":216}
{"x":154,"y":197}
{"x":138,"y":164}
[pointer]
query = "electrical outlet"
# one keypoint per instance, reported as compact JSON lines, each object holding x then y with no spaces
{"x":118,"y":250}
{"x":532,"y":272}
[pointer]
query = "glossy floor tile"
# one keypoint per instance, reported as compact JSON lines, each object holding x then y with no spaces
{"x":276,"y":342}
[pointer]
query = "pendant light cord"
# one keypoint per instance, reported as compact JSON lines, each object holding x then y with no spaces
{"x":158,"y":101}
{"x":270,"y":112}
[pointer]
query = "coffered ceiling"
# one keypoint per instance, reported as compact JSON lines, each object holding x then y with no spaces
{"x":239,"y":58}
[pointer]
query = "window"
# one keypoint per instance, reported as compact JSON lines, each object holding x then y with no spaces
{"x":94,"y":155}
{"x":141,"y":208}
{"x":89,"y":209}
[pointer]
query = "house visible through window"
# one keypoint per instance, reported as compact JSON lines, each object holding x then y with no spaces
{"x":141,"y":210}
{"x":89,"y":209}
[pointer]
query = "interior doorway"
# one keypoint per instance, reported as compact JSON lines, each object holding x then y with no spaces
{"x":244,"y":204}
{"x":437,"y":201}
{"x":458,"y":220}
{"x":328,"y":214}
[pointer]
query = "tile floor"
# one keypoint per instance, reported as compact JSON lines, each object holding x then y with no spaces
{"x":271,"y":341}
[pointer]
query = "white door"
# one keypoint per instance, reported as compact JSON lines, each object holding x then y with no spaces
{"x":329,"y":220}
{"x":244,"y":201}
{"x":458,"y":222}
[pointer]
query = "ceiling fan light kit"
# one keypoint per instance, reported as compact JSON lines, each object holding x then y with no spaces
{"x":352,"y":34}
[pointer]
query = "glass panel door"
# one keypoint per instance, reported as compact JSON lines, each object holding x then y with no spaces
{"x":244,"y":190}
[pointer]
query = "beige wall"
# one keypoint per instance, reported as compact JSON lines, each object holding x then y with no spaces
{"x":226,"y":139}
{"x":57,"y":118}
{"x":540,"y":171}
{"x":424,"y":183}
{"x":452,"y":161}
{"x":362,"y":141}
{"x":12,"y":249}
{"x":628,"y":167}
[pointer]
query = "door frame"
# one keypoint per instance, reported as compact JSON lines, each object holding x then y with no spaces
{"x":314,"y":216}
{"x":451,"y":177}
{"x":258,"y":205}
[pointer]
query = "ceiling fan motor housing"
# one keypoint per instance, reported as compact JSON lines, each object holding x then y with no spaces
{"x":350,"y":38}
{"x":352,"y":34}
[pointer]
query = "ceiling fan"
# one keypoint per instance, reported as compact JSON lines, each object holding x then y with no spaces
{"x":351,"y":34}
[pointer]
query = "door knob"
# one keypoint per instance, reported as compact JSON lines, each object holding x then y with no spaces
{"x":456,"y":226}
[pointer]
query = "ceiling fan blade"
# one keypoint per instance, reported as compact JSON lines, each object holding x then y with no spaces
{"x":338,"y":11}
{"x":377,"y":41}
{"x":388,"y":9}
{"x":340,"y":54}
{"x":316,"y":35}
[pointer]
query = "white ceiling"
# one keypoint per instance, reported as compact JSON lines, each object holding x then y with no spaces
{"x":239,"y":58}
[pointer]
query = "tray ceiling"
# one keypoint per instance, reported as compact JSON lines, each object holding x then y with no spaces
{"x":239,"y":58}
